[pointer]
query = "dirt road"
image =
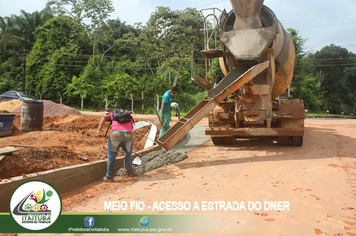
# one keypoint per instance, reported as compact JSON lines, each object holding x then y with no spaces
{"x":315,"y":184}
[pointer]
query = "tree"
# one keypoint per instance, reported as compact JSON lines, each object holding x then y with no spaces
{"x":20,"y":29}
{"x":169,"y":33}
{"x":298,"y":42}
{"x":87,"y":84}
{"x":187,"y":31}
{"x":336,"y":78}
{"x":124,"y":60}
{"x":97,"y":11}
{"x":16,"y":35}
{"x":50,"y":63}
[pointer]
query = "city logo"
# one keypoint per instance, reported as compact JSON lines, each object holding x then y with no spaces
{"x":35,"y":205}
{"x":89,"y":221}
{"x":144,"y":221}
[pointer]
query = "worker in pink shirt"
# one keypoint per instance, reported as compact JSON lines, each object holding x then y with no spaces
{"x":120,"y":136}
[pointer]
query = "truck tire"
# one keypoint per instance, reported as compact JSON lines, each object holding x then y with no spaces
{"x":297,"y":140}
{"x":284,"y":140}
{"x":229,"y":140}
{"x":217,"y":141}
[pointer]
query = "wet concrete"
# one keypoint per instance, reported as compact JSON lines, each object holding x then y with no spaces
{"x":156,"y":159}
{"x":194,"y":139}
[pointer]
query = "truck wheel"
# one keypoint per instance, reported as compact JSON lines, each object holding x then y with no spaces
{"x":229,"y":140}
{"x":297,"y":140}
{"x":284,"y":140}
{"x":217,"y":141}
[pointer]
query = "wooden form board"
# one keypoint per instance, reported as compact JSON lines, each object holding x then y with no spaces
{"x":7,"y":150}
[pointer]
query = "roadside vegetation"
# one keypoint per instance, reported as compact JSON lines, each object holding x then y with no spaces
{"x":73,"y":50}
{"x":329,"y":116}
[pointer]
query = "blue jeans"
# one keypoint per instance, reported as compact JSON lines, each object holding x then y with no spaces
{"x":117,"y":139}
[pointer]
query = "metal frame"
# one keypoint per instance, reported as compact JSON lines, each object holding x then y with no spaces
{"x":232,"y":82}
{"x":208,"y":36}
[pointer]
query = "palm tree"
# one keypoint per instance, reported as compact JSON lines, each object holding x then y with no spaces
{"x":17,"y":35}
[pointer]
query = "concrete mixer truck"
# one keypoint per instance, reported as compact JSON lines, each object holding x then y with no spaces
{"x":256,"y":56}
{"x":251,"y":34}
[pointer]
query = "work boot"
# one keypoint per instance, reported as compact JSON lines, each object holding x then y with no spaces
{"x":106,"y":179}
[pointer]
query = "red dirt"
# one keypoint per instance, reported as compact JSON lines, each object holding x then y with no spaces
{"x":252,"y":170}
{"x":64,"y":141}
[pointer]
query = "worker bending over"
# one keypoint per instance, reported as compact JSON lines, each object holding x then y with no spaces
{"x":175,"y":106}
{"x":120,"y":136}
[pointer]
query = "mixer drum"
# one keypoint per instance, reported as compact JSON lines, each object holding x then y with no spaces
{"x":248,"y":36}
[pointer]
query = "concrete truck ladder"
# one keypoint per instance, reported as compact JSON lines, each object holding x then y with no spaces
{"x":230,"y":83}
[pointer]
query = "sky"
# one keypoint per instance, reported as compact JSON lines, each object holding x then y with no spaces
{"x":320,"y":22}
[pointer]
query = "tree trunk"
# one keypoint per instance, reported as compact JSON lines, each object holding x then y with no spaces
{"x":94,"y":49}
{"x":154,"y":77}
{"x":112,"y":46}
{"x":180,"y":65}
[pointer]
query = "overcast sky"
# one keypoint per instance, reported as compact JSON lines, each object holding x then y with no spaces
{"x":321,"y":22}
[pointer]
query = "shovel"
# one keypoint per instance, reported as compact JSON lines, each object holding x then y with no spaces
{"x":108,"y":129}
{"x":137,"y":161}
{"x":159,"y":118}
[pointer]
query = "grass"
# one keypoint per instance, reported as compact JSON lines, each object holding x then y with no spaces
{"x":330,"y":116}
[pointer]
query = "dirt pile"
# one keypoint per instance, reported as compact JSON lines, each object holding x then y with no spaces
{"x":65,"y":141}
{"x":70,"y":123}
{"x":32,"y":160}
{"x":10,"y":105}
{"x":54,"y":109}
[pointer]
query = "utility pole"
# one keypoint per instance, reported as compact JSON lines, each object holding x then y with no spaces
{"x":24,"y":67}
{"x":191,"y":72}
{"x":132,"y":102}
{"x":143,"y":110}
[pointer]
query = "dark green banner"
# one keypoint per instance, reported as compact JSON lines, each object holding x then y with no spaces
{"x":115,"y":223}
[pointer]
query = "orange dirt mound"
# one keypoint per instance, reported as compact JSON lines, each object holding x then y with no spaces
{"x":62,"y":141}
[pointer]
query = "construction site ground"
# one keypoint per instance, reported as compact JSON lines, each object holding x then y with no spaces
{"x":64,"y":141}
{"x":317,"y":180}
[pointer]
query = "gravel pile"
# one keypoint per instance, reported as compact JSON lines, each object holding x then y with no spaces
{"x":54,"y":109}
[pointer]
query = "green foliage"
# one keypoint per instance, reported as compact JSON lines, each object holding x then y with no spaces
{"x":309,"y":91}
{"x":88,"y":85}
{"x":326,"y":79}
{"x":16,"y":37}
{"x":10,"y":71}
{"x":337,"y":78}
{"x":298,"y":42}
{"x":49,"y":63}
{"x":80,"y":53}
{"x":169,"y":33}
{"x":187,"y":101}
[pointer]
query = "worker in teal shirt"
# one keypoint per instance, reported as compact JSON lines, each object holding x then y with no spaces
{"x":166,"y":108}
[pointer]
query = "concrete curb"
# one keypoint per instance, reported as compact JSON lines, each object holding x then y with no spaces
{"x":77,"y":176}
{"x":72,"y":177}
